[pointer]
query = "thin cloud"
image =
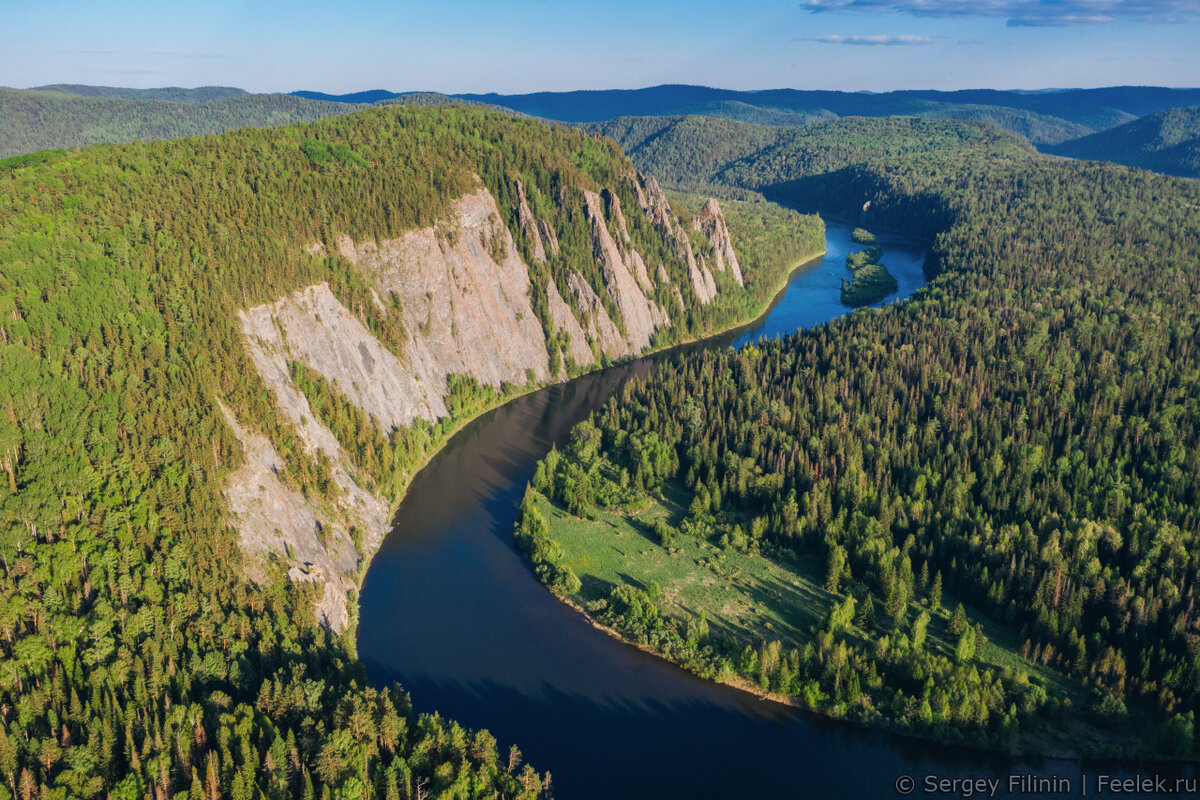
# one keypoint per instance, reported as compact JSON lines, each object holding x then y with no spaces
{"x":870,"y":41}
{"x":144,"y":54}
{"x":132,"y":71}
{"x":1026,"y":13}
{"x":168,"y":54}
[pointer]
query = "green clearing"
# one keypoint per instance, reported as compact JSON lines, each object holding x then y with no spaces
{"x":750,"y":599}
{"x":747,"y":597}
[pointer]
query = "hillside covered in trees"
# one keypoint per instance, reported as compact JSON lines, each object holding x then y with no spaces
{"x":62,"y":117}
{"x":740,"y":159}
{"x":200,"y":94}
{"x":1168,"y":142}
{"x":136,"y":658}
{"x":1021,"y":436}
{"x":1045,"y":117}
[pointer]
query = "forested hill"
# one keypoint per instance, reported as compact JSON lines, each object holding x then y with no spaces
{"x":1041,"y":117}
{"x":200,"y":94}
{"x":687,"y":152}
{"x":61,"y":117}
{"x":1168,"y":142}
{"x":730,"y":157}
{"x":136,"y":659}
{"x":1024,"y":432}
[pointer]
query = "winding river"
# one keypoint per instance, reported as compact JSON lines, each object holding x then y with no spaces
{"x":451,"y":611}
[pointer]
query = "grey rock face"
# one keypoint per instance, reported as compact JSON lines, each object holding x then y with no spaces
{"x":640,"y":315}
{"x":658,"y":210}
{"x":711,"y":223}
{"x":464,"y":294}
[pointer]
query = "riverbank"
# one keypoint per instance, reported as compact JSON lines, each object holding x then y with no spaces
{"x":759,"y":311}
{"x":702,"y":571}
{"x":452,"y":612}
{"x":690,"y":580}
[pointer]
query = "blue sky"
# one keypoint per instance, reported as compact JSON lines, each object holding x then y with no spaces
{"x":531,"y":45}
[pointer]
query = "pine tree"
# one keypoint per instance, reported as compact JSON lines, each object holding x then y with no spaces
{"x":958,"y":622}
{"x":935,"y":592}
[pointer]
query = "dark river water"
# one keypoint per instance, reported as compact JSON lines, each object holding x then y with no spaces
{"x":451,"y":611}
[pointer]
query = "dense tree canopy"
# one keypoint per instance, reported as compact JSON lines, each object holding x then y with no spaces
{"x":135,"y":659}
{"x":1026,"y":429}
{"x":1168,"y":141}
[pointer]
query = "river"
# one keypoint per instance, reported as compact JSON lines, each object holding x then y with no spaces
{"x":450,"y":610}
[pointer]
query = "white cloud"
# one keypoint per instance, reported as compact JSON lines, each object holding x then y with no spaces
{"x":904,"y":39}
{"x":1026,"y":12}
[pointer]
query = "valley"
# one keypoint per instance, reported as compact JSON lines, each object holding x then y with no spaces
{"x":676,"y":441}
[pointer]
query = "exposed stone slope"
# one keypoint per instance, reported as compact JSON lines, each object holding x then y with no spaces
{"x":316,"y":543}
{"x":640,"y":315}
{"x":313,"y":327}
{"x":711,"y":223}
{"x":465,"y":296}
{"x":564,"y":321}
{"x":465,"y":292}
{"x":658,"y":209}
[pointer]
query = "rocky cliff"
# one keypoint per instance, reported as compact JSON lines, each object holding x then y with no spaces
{"x":468,"y":307}
{"x":711,"y":223}
{"x":652,"y":200}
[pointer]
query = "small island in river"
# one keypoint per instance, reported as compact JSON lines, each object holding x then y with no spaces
{"x":871,"y":282}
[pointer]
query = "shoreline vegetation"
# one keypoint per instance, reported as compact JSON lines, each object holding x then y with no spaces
{"x":552,"y":567}
{"x":966,"y":518}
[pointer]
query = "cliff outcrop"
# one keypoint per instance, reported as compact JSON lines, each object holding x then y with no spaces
{"x":316,"y":543}
{"x":466,"y":300}
{"x":658,"y":209}
{"x":711,"y":223}
{"x":641,"y":316}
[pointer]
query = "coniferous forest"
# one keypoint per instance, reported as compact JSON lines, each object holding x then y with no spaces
{"x":136,"y":659}
{"x":1016,"y":447}
{"x":39,"y":120}
{"x":988,"y":495}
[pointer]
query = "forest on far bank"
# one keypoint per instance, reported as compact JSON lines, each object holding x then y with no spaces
{"x":1022,"y":435}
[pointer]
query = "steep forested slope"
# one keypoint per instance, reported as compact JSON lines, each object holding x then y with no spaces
{"x":1022,"y":435}
{"x":1168,"y":141}
{"x":737,"y":157}
{"x":136,"y":659}
{"x":687,"y":152}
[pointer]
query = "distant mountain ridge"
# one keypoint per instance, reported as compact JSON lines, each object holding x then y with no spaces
{"x":1086,"y":106}
{"x":200,"y":94}
{"x":71,"y":115}
{"x":1166,"y":141}
{"x":1043,"y":117}
{"x":32,"y":120}
{"x":369,"y":96}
